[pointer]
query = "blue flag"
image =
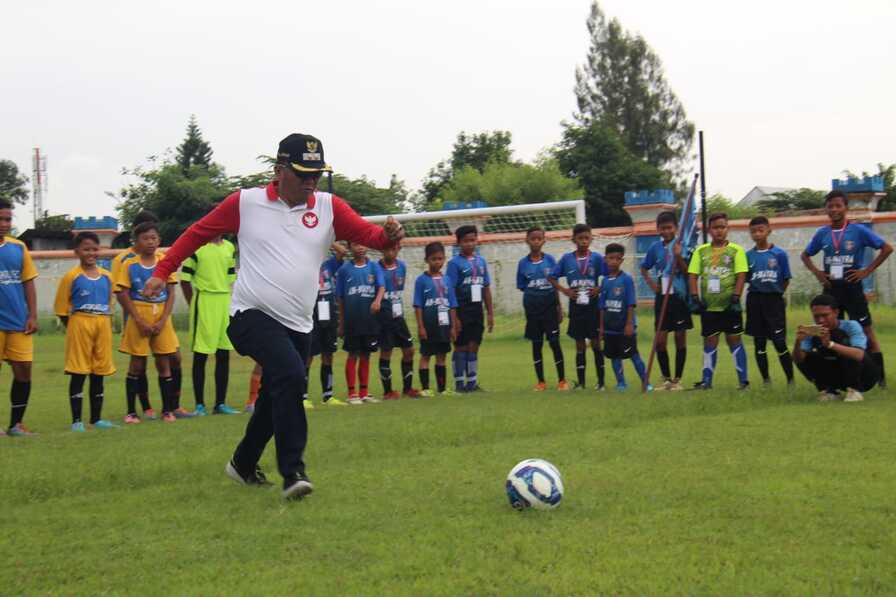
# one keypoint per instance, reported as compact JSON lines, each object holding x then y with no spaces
{"x":687,"y":229}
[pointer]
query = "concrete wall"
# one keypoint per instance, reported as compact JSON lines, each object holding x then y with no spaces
{"x":792,"y":234}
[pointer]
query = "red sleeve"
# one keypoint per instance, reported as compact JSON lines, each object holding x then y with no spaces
{"x":352,"y":227}
{"x":224,"y":219}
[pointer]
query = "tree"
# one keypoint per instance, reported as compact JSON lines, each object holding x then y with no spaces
{"x":473,"y":150}
{"x":58,"y":223}
{"x":888,"y":173}
{"x":622,"y":85}
{"x":512,"y":184}
{"x":719,"y":203}
{"x":178,"y":198}
{"x":794,"y":200}
{"x":368,"y":199}
{"x":597,"y":158}
{"x":193,"y":151}
{"x":12,"y":184}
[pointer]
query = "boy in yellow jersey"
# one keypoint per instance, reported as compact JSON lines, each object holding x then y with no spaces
{"x":176,"y":372}
{"x":206,"y":280}
{"x":720,"y":269}
{"x":149,"y":326}
{"x":84,"y":304}
{"x":18,"y":317}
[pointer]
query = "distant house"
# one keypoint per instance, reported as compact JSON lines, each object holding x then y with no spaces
{"x":757,"y":194}
{"x":46,"y":240}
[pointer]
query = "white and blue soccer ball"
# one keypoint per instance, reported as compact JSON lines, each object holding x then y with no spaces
{"x":534,"y":483}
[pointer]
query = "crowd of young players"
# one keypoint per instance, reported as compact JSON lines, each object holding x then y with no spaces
{"x":361,"y":302}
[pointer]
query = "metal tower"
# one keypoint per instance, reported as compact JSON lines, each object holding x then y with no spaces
{"x":39,"y":182}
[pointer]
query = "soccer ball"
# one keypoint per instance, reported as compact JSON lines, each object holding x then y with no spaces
{"x":534,"y":483}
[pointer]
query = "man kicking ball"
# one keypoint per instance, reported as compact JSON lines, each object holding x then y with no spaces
{"x":284,"y":231}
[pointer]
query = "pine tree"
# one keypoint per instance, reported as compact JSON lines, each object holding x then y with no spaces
{"x":622,"y":85}
{"x":194,"y":151}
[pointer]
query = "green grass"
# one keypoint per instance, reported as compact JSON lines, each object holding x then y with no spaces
{"x":767,"y":492}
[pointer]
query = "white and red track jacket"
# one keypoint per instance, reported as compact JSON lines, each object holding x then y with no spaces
{"x":281,"y":248}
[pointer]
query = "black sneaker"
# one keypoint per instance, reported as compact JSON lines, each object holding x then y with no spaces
{"x":256,"y":478}
{"x":297,"y":486}
{"x":702,"y":386}
{"x":744,"y":386}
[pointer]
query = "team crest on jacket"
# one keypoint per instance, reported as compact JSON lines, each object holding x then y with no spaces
{"x":309,"y":219}
{"x":772,"y":262}
{"x":617,"y":291}
{"x":850,"y":246}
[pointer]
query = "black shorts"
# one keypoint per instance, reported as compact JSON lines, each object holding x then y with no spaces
{"x":394,"y":333}
{"x":542,"y":324}
{"x":678,"y":315}
{"x":323,"y":340}
{"x":584,"y":322}
{"x":360,"y":343}
{"x":429,"y":349}
{"x":721,"y":322}
{"x":470,"y":331}
{"x":766,"y":316}
{"x":852,"y":301}
{"x":620,"y":346}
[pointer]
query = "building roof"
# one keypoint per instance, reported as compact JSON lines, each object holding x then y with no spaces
{"x":759,"y":193}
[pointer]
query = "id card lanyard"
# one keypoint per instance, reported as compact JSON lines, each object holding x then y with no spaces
{"x":582,"y":297}
{"x":475,"y":289}
{"x":714,"y":283}
{"x":396,"y":302}
{"x":440,"y":295}
{"x":836,"y":265}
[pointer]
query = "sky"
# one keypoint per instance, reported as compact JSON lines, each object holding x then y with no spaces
{"x":789,"y":93}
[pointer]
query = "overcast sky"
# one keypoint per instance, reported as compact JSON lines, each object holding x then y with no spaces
{"x":789,"y":92}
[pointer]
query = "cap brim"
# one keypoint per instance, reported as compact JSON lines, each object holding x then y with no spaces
{"x":301,"y":168}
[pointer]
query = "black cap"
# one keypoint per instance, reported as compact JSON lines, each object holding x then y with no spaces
{"x":303,"y":153}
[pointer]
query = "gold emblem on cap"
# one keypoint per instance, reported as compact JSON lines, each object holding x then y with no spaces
{"x":311,"y":146}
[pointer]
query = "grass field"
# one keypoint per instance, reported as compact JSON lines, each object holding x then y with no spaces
{"x":766,"y":492}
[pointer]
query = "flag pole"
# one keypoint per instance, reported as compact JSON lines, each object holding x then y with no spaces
{"x":667,"y":292}
{"x":702,"y":188}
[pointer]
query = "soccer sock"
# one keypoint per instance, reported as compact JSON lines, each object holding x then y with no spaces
{"x":222,"y":375}
{"x":878,"y":358}
{"x":599,"y":364}
{"x":76,"y":395}
{"x":143,"y":391}
{"x":326,"y":381}
{"x":537,"y":361}
{"x":131,"y":387}
{"x":459,"y":367}
{"x":640,"y":369}
{"x":407,"y":375}
{"x":441,"y":376}
{"x":199,"y":361}
{"x":96,"y":398}
{"x":424,"y":378}
{"x":386,"y":375}
{"x":662,"y":357}
{"x":363,"y":374}
{"x":472,"y":367}
{"x":784,"y":358}
{"x":254,"y":386}
{"x":740,"y":363}
{"x":618,"y":371}
{"x":18,"y":396}
{"x":710,"y":357}
{"x":580,"y":368}
{"x":761,"y":357}
{"x":350,"y":366}
{"x":681,"y":355}
{"x":558,"y":360}
{"x":167,"y":388}
{"x":177,"y":376}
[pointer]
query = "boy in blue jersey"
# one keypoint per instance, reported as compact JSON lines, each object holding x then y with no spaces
{"x":394,"y":332}
{"x":84,"y":305}
{"x":543,"y":310}
{"x":326,"y":326}
{"x":677,"y":319}
{"x":583,"y":270}
{"x":18,"y":317}
{"x":768,"y":278}
{"x":176,"y":372}
{"x":832,"y":354}
{"x":359,"y":289}
{"x":618,"y":323}
{"x":148,"y":328}
{"x":472,"y":286}
{"x":843,"y":244}
{"x":435,"y":307}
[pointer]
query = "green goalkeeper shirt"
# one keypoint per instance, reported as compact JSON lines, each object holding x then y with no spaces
{"x":718,"y":268}
{"x":212,"y":268}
